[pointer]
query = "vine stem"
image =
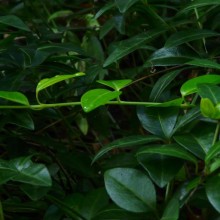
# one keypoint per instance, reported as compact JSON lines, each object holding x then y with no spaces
{"x":216,"y":135}
{"x":56,"y":105}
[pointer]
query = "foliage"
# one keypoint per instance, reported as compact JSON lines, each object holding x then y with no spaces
{"x":109,"y":110}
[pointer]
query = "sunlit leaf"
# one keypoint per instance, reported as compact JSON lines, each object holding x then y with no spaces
{"x":14,"y":21}
{"x":97,"y":97}
{"x":116,"y":84}
{"x":190,"y":86}
{"x":130,"y":189}
{"x":14,"y":97}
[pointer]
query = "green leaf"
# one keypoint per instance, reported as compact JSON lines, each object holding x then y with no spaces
{"x":212,"y":187}
{"x":205,"y":63}
{"x":212,"y":92}
{"x":186,"y":36}
{"x":191,"y":143}
{"x":208,"y":109}
{"x":44,"y":83}
{"x":191,"y":86}
{"x":173,"y":150}
{"x":58,"y":14}
{"x":123,"y":6}
{"x":213,"y":152}
{"x":116,"y":84}
{"x":25,"y":171}
{"x":107,"y":7}
{"x":172,"y":209}
{"x":160,"y":167}
{"x":170,"y":56}
{"x":158,"y":121}
{"x":162,"y":83}
{"x":34,"y":192}
{"x":97,"y":97}
{"x":14,"y":97}
{"x":130,"y":189}
{"x":14,"y":21}
{"x":126,"y":142}
{"x":126,"y":47}
{"x":199,"y":3}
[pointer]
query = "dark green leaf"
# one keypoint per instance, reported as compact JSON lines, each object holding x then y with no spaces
{"x":60,"y":14}
{"x":186,"y":36}
{"x":130,"y":189}
{"x":126,"y":142}
{"x":25,"y":171}
{"x":158,"y":121}
{"x":14,"y":97}
{"x":191,"y":86}
{"x":14,"y":21}
{"x":212,"y":190}
{"x":205,"y":63}
{"x":123,"y":6}
{"x":173,"y":150}
{"x":172,"y":209}
{"x":97,"y":97}
{"x":213,"y":152}
{"x":160,"y":168}
{"x":128,"y":46}
{"x":107,"y":7}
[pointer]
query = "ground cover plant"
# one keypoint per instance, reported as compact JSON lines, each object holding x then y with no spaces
{"x":109,"y":110}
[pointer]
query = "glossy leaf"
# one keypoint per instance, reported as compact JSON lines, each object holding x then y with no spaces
{"x":191,"y":143}
{"x":130,"y":189}
{"x":25,"y":171}
{"x":14,"y":21}
{"x":123,"y":6}
{"x":162,"y":84}
{"x":170,"y":56}
{"x":14,"y":97}
{"x":44,"y":83}
{"x":181,"y":37}
{"x":158,"y":121}
{"x":126,"y":142}
{"x":97,"y":97}
{"x":171,"y":211}
{"x":191,"y":86}
{"x":126,"y":47}
{"x":213,"y":152}
{"x":173,"y":150}
{"x":160,"y":168}
{"x":212,"y":190}
{"x":205,"y":63}
{"x":212,"y":92}
{"x":116,"y":84}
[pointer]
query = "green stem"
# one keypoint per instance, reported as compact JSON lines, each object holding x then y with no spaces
{"x":56,"y":105}
{"x":216,"y":135}
{"x":1,"y":212}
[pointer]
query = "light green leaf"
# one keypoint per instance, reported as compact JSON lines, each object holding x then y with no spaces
{"x":199,"y":3}
{"x":14,"y":21}
{"x":130,"y":189}
{"x":128,"y":46}
{"x":44,"y":83}
{"x":14,"y":97}
{"x":173,"y":150}
{"x":186,"y":36}
{"x":116,"y":84}
{"x":208,"y":109}
{"x":212,"y":187}
{"x":123,"y":6}
{"x":171,"y":211}
{"x":25,"y":171}
{"x":126,"y":142}
{"x":204,"y":63}
{"x":97,"y":97}
{"x":58,"y":14}
{"x":191,"y":86}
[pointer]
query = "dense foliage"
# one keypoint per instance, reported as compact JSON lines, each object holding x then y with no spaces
{"x":109,"y":109}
